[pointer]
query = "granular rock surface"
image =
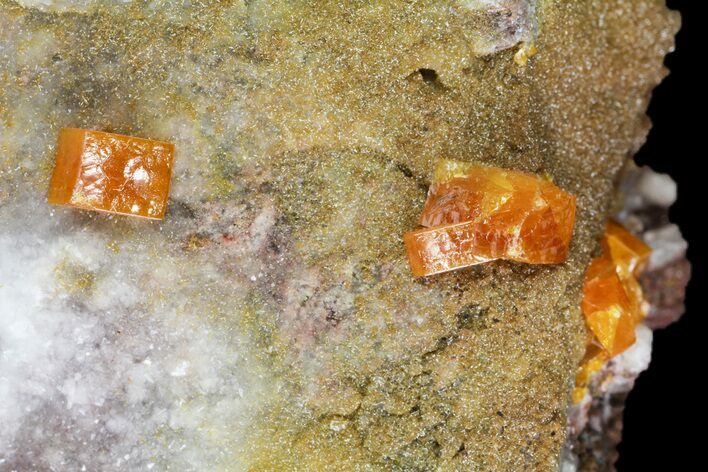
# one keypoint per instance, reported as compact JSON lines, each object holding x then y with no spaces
{"x":271,"y":322}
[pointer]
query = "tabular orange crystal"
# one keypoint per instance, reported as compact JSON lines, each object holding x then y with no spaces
{"x":630,"y":256}
{"x":607,"y":308}
{"x":113,"y":173}
{"x":476,"y":214}
{"x":629,"y":253}
{"x":613,"y":303}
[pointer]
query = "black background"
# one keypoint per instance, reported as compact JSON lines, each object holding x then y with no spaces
{"x":664,"y":418}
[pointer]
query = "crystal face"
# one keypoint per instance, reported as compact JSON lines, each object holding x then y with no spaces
{"x":613,"y":303}
{"x":476,"y":214}
{"x":608,"y":311}
{"x":629,"y":253}
{"x":113,"y":173}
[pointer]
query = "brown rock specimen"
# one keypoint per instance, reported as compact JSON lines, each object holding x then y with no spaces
{"x":288,"y":332}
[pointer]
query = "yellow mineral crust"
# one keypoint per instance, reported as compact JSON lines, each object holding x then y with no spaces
{"x":331,"y":116}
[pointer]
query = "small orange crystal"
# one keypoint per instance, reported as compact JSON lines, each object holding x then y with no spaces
{"x":595,"y":358}
{"x":613,"y":303}
{"x":630,"y":256}
{"x":113,"y":173}
{"x":607,"y":308}
{"x":476,"y":214}
{"x":627,"y":251}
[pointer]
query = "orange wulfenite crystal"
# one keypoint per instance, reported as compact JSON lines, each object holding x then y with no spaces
{"x":628,"y":252}
{"x":630,"y":256}
{"x":606,"y":306}
{"x":476,"y":214}
{"x":112,"y":173}
{"x":613,"y":303}
{"x":595,"y":358}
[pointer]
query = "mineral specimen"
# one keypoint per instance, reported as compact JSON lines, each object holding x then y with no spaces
{"x":477,"y":214}
{"x":271,"y":322}
{"x":112,"y":173}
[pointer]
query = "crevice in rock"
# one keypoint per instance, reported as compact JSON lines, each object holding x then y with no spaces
{"x":430,"y":76}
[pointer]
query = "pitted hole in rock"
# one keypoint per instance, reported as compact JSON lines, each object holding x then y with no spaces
{"x":472,"y":316}
{"x":429,"y":76}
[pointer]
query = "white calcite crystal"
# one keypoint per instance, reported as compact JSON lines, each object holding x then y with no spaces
{"x":100,"y":379}
{"x":667,"y":245}
{"x":513,"y":21}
